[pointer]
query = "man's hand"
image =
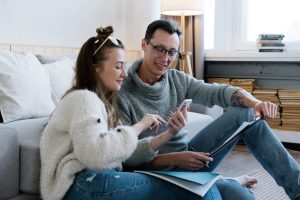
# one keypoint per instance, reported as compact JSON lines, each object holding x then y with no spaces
{"x":186,"y":160}
{"x":191,"y":160}
{"x":265,"y":109}
{"x":177,"y":120}
{"x":245,"y":99}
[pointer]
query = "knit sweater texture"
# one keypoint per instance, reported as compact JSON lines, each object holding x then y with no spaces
{"x":136,"y":98}
{"x":77,"y":137}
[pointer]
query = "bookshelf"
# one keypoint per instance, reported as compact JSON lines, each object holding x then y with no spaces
{"x":269,"y":76}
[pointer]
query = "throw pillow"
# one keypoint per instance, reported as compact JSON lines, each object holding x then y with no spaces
{"x":61,"y":75}
{"x":45,"y":59}
{"x":24,"y":87}
{"x":1,"y":119}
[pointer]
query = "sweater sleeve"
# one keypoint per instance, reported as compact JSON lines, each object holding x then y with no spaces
{"x":95,"y":145}
{"x":204,"y":93}
{"x":126,"y":111}
{"x":142,"y":154}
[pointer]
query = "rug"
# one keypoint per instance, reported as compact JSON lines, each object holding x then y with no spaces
{"x":266,"y":188}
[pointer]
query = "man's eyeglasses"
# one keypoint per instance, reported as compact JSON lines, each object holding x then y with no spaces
{"x":111,"y":38}
{"x":160,"y":51}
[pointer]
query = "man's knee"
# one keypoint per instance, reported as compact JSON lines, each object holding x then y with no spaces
{"x":246,"y":114}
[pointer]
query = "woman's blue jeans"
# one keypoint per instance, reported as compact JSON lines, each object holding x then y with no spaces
{"x":260,"y":139}
{"x":115,"y":185}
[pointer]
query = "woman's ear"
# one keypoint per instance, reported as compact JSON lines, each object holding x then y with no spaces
{"x":98,"y":69}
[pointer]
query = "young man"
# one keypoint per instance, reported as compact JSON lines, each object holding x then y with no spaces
{"x":151,"y":87}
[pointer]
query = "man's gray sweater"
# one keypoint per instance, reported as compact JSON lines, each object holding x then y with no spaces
{"x":136,"y":98}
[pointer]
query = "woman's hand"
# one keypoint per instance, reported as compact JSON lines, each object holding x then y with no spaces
{"x":149,"y":121}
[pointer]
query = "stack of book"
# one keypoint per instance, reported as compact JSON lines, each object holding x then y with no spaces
{"x":290,"y":105}
{"x":272,"y":96}
{"x":270,"y":43}
{"x":246,"y":84}
{"x":225,"y":81}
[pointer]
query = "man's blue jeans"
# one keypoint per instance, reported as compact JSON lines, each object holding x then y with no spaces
{"x":260,"y":139}
{"x":115,"y":185}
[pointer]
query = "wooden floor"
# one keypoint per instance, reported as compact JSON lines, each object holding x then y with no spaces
{"x":240,"y":161}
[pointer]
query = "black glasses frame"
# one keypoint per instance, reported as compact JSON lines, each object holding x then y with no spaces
{"x":161,"y":51}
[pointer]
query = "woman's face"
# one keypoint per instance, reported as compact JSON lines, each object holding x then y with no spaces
{"x":112,"y":72}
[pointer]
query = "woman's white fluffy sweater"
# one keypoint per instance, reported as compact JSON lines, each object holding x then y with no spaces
{"x":77,"y":137}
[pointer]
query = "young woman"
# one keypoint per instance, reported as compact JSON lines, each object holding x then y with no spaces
{"x":84,"y":144}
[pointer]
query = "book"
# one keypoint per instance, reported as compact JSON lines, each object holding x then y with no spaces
{"x":271,"y":47}
{"x":246,"y":84}
{"x":196,"y":182}
{"x":270,"y":50}
{"x":259,"y":41}
{"x":243,"y":127}
{"x":270,"y":44}
{"x":270,"y":36}
{"x":219,"y":80}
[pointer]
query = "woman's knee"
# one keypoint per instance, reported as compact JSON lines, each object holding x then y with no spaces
{"x":231,"y":189}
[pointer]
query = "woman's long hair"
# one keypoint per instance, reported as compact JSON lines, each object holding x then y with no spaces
{"x":86,"y":76}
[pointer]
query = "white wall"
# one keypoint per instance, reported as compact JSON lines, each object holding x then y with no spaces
{"x":139,"y":14}
{"x":72,"y":22}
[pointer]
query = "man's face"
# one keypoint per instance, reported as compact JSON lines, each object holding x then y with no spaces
{"x":160,"y":51}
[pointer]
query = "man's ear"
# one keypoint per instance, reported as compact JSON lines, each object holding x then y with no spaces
{"x":144,"y":44}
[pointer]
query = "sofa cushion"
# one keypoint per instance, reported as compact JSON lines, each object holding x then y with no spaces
{"x":29,"y":132}
{"x":24,"y":87}
{"x":196,"y":122}
{"x":62,"y":74}
{"x":9,"y":163}
{"x":45,"y":59}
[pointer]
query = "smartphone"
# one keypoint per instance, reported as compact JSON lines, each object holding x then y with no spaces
{"x":186,"y":102}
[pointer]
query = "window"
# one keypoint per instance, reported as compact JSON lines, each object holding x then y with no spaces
{"x":209,"y":19}
{"x":254,"y":17}
{"x":237,"y":24}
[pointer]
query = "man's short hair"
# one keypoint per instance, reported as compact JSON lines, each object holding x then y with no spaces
{"x":169,"y":26}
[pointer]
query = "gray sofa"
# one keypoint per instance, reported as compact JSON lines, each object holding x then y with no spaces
{"x":19,"y":139}
{"x":20,"y":159}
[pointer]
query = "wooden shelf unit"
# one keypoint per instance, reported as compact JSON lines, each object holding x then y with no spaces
{"x":267,"y":74}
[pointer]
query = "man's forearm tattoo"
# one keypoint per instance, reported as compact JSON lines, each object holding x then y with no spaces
{"x":237,"y":99}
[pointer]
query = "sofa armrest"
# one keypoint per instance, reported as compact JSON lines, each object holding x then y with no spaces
{"x":9,"y":163}
{"x":28,"y":132}
{"x":214,"y":112}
